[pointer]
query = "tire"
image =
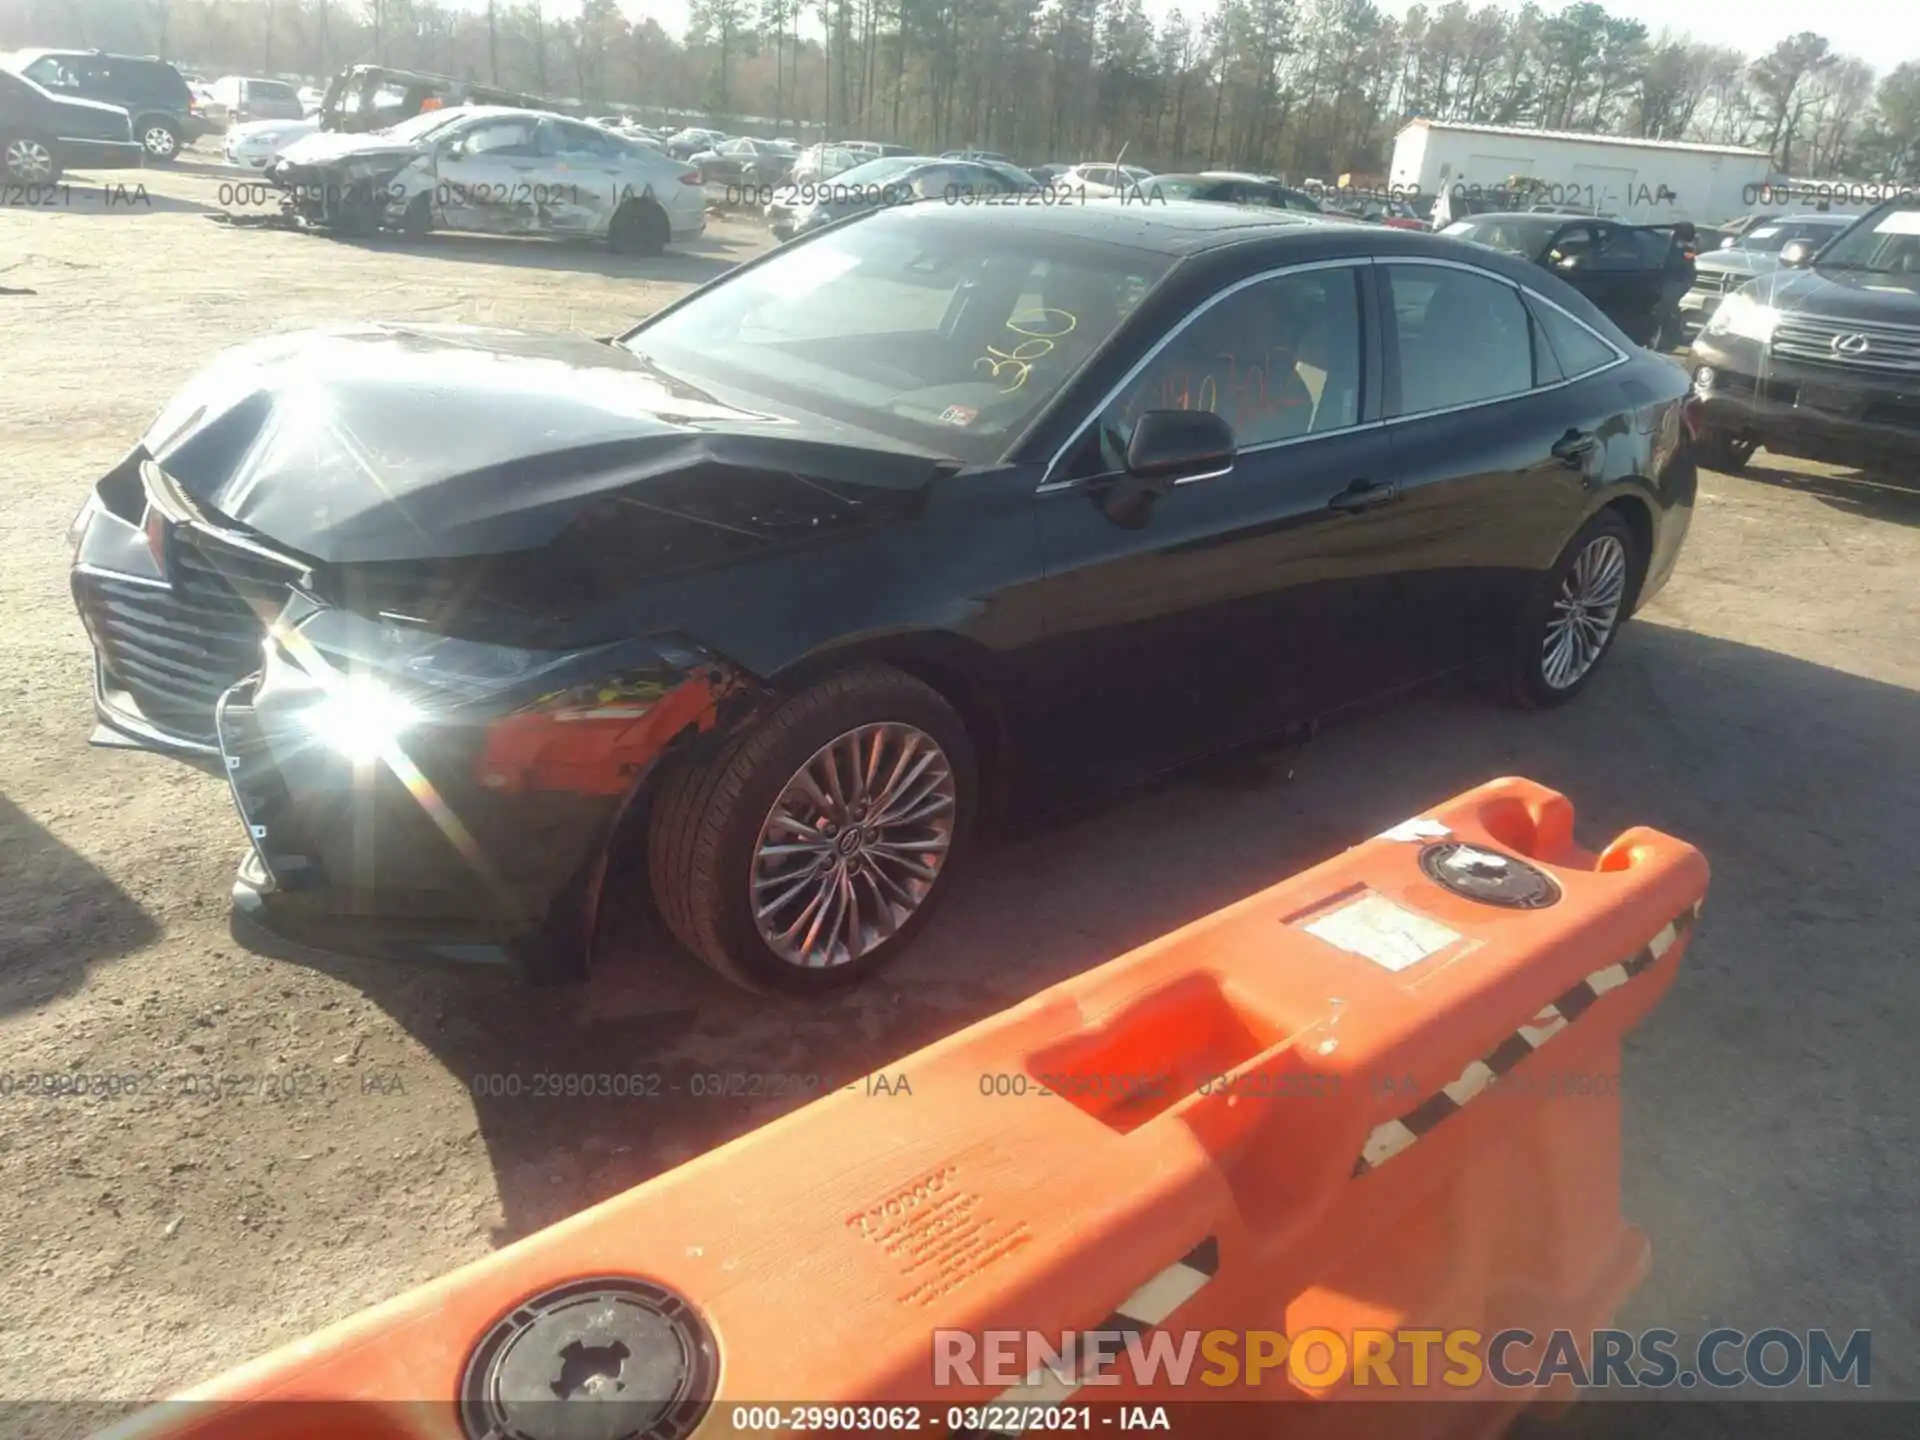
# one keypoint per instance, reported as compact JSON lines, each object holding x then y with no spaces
{"x":1724,"y":451}
{"x":713,"y":814}
{"x":417,"y":223}
{"x":159,"y":139}
{"x":29,"y":159}
{"x":1615,"y":565}
{"x":639,"y":227}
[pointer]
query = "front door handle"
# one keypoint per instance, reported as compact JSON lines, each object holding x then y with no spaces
{"x":1574,"y":447}
{"x":1363,"y":495}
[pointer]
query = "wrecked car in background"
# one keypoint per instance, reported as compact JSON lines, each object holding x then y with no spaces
{"x":493,"y":170}
{"x":364,"y":98}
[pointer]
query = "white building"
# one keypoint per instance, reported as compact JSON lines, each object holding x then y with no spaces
{"x":1646,"y":181}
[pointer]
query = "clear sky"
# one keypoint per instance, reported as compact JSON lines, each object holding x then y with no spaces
{"x":1881,"y":32}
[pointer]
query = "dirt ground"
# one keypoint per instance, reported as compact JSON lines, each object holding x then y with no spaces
{"x":1764,"y":708}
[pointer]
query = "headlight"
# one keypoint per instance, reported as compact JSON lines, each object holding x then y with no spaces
{"x":428,"y":672}
{"x":360,"y":718}
{"x":1745,"y":317}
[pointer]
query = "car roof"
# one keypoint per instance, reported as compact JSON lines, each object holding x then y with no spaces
{"x":1541,"y":215}
{"x":1169,"y":226}
{"x":40,"y":52}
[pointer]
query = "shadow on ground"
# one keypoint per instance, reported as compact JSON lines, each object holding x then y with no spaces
{"x":693,"y":262}
{"x":1775,"y":1070}
{"x":1856,"y":492}
{"x":48,"y":896}
{"x":106,"y":195}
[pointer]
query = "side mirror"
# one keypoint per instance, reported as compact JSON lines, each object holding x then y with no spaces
{"x":1173,"y":446}
{"x":454,"y":150}
{"x":1168,"y":448}
{"x":1797,"y":254}
{"x":1729,"y":242}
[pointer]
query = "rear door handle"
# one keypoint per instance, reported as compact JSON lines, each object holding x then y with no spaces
{"x":1363,"y":495}
{"x":1574,"y":446}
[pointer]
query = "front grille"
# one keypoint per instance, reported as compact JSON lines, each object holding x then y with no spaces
{"x":177,"y":648}
{"x":1717,"y":282}
{"x":1890,"y":349}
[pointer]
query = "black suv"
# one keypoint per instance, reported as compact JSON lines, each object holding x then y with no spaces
{"x":42,"y":134}
{"x":153,"y":93}
{"x":1634,"y":273}
{"x":1821,"y":359}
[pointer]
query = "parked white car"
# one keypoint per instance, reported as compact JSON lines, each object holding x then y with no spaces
{"x":494,"y":169}
{"x":258,"y":143}
{"x":1101,"y":180}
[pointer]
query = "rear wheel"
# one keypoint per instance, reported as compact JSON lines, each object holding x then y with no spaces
{"x":1725,"y":451}
{"x":29,"y":160}
{"x":639,"y":227}
{"x":1572,"y":614}
{"x":159,"y":139}
{"x":812,"y":848}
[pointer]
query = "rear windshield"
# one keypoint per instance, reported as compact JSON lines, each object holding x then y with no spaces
{"x":914,"y":323}
{"x":1512,"y":234}
{"x":270,"y":90}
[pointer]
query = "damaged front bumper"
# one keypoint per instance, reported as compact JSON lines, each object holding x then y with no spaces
{"x":476,"y":833}
{"x":404,"y":794}
{"x":351,"y":198}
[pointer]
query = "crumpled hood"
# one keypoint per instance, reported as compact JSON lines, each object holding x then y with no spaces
{"x":393,"y":442}
{"x":327,"y":147}
{"x":1843,"y":295}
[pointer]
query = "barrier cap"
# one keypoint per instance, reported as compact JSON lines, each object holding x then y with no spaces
{"x":1493,"y":878}
{"x":603,"y":1359}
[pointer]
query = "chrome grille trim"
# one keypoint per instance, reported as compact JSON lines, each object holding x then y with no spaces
{"x":176,"y":648}
{"x":1810,"y":340}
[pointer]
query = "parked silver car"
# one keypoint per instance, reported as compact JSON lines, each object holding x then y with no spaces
{"x":1718,"y":273}
{"x":493,"y":169}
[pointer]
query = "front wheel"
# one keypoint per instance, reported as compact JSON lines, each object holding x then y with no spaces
{"x":1572,"y":614}
{"x":29,"y":160}
{"x":812,"y":848}
{"x":1725,"y":451}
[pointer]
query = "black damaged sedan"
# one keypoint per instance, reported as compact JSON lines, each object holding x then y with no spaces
{"x":939,"y":515}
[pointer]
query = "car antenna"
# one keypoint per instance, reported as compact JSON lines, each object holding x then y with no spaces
{"x":1118,"y":173}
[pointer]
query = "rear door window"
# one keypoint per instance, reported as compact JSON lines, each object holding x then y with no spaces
{"x":1461,"y":337}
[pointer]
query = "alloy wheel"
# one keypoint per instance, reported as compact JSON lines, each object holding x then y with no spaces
{"x":853,"y":845}
{"x":1586,"y":612}
{"x":160,"y":142}
{"x":29,"y":161}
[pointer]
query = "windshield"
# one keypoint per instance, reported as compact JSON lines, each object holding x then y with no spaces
{"x":1771,"y":239}
{"x":1513,"y":234}
{"x":1177,"y":187}
{"x":917,"y":323}
{"x":1886,"y":242}
{"x":423,"y":124}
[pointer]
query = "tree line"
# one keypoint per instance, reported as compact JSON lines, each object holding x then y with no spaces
{"x":1296,"y":87}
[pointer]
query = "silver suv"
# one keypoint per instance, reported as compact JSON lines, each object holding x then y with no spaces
{"x":1718,"y":273}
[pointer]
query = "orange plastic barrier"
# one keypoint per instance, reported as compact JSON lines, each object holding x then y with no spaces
{"x":1351,"y":1101}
